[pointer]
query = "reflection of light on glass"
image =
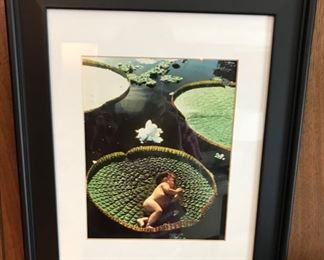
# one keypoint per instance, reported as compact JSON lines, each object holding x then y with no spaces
{"x":101,"y":85}
{"x":135,"y":106}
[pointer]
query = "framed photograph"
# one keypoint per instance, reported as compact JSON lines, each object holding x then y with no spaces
{"x":158,"y":129}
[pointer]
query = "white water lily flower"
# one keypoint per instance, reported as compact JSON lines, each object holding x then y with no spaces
{"x":150,"y":132}
{"x":220,"y":156}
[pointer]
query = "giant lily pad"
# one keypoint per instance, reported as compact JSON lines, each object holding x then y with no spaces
{"x":209,"y":110}
{"x":118,"y":184}
{"x":101,"y":83}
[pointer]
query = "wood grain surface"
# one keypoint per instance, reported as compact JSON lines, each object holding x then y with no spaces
{"x":307,"y":236}
{"x":10,"y":219}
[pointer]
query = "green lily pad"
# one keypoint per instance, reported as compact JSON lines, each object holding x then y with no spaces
{"x":118,"y":184}
{"x":171,"y":78}
{"x":209,"y":111}
{"x":149,"y":77}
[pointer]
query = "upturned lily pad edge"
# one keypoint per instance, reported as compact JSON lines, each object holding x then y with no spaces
{"x":104,"y":160}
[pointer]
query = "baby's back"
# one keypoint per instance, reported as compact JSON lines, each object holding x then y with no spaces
{"x":160,"y":196}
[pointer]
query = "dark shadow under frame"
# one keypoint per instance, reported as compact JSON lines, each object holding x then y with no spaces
{"x":30,"y":76}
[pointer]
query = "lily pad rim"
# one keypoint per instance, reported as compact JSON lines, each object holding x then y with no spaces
{"x":151,"y":148}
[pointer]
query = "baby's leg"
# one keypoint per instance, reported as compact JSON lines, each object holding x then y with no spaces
{"x":142,"y":221}
{"x":154,"y":207}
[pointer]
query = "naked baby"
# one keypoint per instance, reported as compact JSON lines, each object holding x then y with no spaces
{"x":159,"y":200}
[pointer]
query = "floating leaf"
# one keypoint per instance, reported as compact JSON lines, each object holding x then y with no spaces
{"x":171,"y":78}
{"x":127,"y":68}
{"x":149,"y":77}
{"x":119,"y":183}
{"x":208,"y":110}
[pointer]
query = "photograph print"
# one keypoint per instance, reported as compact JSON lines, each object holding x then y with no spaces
{"x":158,"y":137}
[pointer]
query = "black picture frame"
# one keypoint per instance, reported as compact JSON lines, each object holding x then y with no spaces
{"x":27,"y":29}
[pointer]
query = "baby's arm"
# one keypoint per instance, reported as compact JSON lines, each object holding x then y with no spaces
{"x":166,"y":188}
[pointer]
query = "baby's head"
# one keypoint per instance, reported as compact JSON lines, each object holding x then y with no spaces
{"x":166,"y":176}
